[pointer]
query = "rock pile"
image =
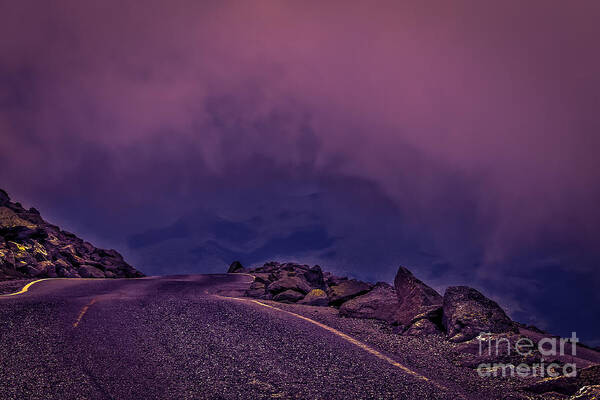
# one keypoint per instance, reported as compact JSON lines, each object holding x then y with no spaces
{"x":30,"y":247}
{"x":410,"y":305}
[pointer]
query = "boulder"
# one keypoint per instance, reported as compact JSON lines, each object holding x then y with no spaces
{"x":236,"y":267}
{"x":297,"y":283}
{"x":346,"y":290}
{"x":87,"y":271}
{"x":428,"y":322}
{"x":587,"y":393}
{"x":48,"y":268}
{"x":30,"y":270}
{"x":70,"y":274}
{"x":414,"y":297}
{"x":62,"y":264}
{"x":380,"y":303}
{"x":467,"y":313}
{"x":288,"y":296}
{"x":314,"y":277}
{"x":262,"y":277}
{"x":23,"y":233}
{"x":316,"y":297}
{"x":257,"y":289}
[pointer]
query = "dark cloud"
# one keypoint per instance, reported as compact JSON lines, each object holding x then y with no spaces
{"x":459,"y":139}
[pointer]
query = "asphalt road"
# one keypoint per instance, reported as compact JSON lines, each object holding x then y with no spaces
{"x":174,"y":338}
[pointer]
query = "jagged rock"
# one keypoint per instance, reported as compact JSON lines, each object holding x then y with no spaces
{"x":587,"y":393}
{"x":568,"y":385}
{"x":314,"y":277}
{"x":30,"y":270}
{"x":72,"y":274}
{"x":257,"y":289}
{"x":87,"y":271}
{"x":31,"y":247}
{"x":9,"y":219}
{"x":346,"y":290}
{"x":297,"y":283}
{"x":262,"y":277}
{"x":467,"y":313}
{"x":316,"y":297}
{"x":288,"y":296}
{"x":380,"y":303}
{"x":48,"y":268}
{"x":428,"y":322}
{"x":236,"y":267}
{"x":414,"y":297}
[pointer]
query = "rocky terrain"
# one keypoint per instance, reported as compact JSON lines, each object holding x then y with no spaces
{"x":410,"y":305}
{"x":32,"y":248}
{"x":449,"y":325}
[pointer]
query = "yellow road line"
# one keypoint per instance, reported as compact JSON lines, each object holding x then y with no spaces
{"x":83,"y":311}
{"x":352,"y":340}
{"x":26,"y":287}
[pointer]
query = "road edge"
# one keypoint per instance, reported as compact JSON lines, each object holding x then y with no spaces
{"x":25,"y":288}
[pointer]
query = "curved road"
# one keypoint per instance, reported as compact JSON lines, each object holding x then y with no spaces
{"x":174,"y":338}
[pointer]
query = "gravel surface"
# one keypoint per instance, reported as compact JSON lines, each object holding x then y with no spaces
{"x":12,"y":286}
{"x":175,"y":338}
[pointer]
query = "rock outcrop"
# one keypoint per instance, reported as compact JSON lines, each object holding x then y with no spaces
{"x":32,"y":248}
{"x":289,"y":282}
{"x":416,"y":300}
{"x":415,"y":308}
{"x":428,"y":322}
{"x":316,"y":297}
{"x":315,"y":288}
{"x":288,"y":296}
{"x":380,"y":303}
{"x":467,"y":313}
{"x":236,"y":267}
{"x":346,"y":290}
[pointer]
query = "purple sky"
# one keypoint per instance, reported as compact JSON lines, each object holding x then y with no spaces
{"x":457,"y":138}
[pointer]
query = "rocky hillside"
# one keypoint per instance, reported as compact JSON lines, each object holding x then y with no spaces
{"x":32,"y":248}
